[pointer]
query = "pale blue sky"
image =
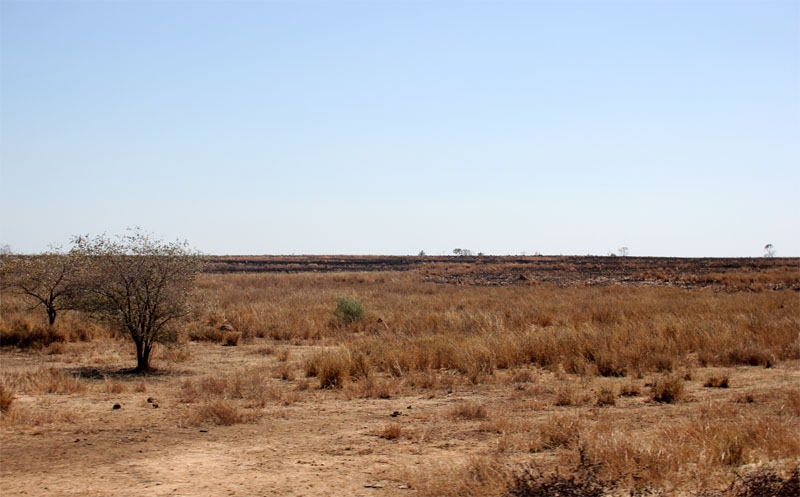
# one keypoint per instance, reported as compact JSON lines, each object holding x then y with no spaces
{"x":672,"y":128}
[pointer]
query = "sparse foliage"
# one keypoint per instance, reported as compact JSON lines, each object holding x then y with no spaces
{"x":47,"y":279}
{"x":141,"y":284}
{"x":769,"y":250}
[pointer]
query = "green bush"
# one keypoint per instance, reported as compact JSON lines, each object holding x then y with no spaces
{"x":349,"y":310}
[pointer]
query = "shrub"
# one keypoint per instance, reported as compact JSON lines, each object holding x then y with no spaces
{"x":391,"y":431}
{"x":606,"y":397}
{"x":717,"y":382}
{"x":668,"y":389}
{"x":349,"y":310}
{"x":332,"y":367}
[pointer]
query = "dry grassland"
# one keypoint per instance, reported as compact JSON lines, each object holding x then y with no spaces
{"x":663,"y":382}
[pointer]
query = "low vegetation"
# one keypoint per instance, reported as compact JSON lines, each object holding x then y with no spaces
{"x":524,"y":389}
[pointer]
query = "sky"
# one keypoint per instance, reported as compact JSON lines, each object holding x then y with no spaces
{"x":392,"y":127}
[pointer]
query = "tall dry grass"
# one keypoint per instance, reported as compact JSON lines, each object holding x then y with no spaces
{"x":413,"y":325}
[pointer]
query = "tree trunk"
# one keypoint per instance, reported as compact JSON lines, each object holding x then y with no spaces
{"x":143,"y":356}
{"x":51,"y":316}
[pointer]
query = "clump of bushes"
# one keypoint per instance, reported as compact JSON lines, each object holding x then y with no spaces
{"x":349,"y":310}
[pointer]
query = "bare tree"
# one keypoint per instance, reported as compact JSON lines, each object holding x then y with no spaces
{"x":624,"y":251}
{"x":769,"y":250}
{"x":141,"y":284}
{"x":47,"y":279}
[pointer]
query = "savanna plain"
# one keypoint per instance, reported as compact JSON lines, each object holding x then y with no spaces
{"x":428,"y":376}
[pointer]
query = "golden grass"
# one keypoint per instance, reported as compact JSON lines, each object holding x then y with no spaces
{"x":609,"y":331}
{"x":610,"y":376}
{"x":42,"y":380}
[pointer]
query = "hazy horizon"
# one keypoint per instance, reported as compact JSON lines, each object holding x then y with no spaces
{"x":346,"y":127}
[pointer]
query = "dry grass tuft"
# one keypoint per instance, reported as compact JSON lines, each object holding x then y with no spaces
{"x":42,"y":380}
{"x":668,"y":389}
{"x":220,"y":412}
{"x":630,"y":389}
{"x":717,"y":382}
{"x":173,"y":353}
{"x":334,"y":366}
{"x":606,"y":397}
{"x":558,"y":430}
{"x":253,"y":385}
{"x":469,"y":411}
{"x":477,"y":476}
{"x":6,"y":398}
{"x":391,"y":431}
{"x":566,"y":396}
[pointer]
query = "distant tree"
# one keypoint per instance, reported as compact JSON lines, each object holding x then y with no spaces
{"x":457,"y":251}
{"x":769,"y":250}
{"x":421,"y":253}
{"x":624,"y":251}
{"x":5,"y":249}
{"x":47,"y":279}
{"x":141,"y":284}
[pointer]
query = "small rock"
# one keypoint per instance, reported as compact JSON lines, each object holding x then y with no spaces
{"x":117,"y":406}
{"x":395,"y":414}
{"x":155,"y":405}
